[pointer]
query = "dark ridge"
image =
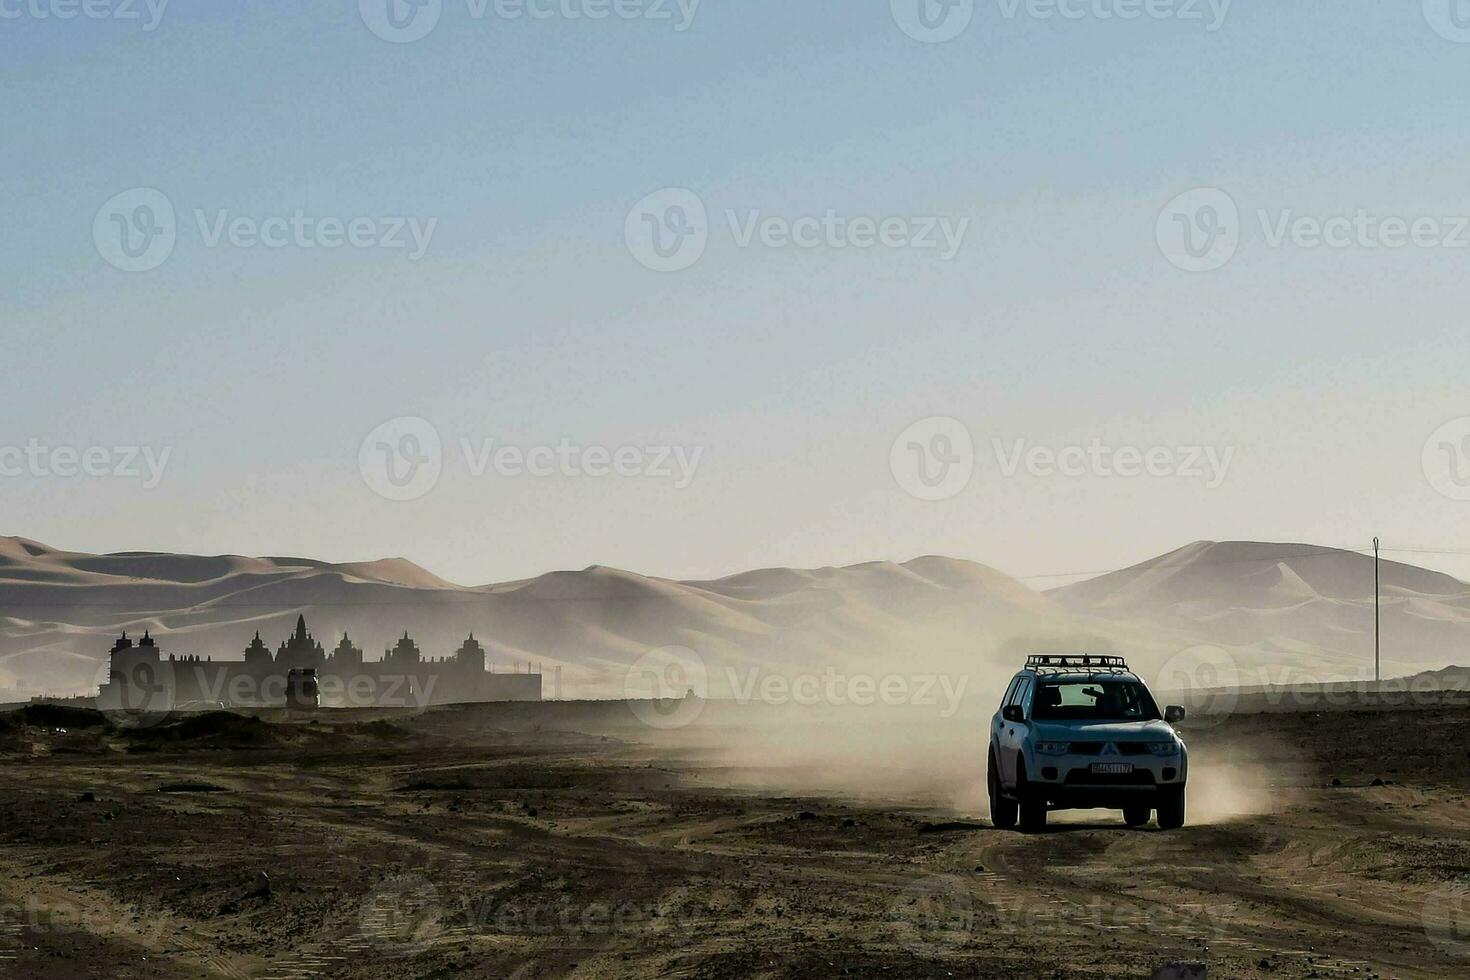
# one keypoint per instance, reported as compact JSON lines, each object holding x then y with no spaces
{"x":215,"y":727}
{"x":951,"y":826}
{"x":426,"y":786}
{"x":60,"y":716}
{"x":385,"y":730}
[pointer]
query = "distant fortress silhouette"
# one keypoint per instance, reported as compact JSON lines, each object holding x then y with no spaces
{"x":141,"y":678}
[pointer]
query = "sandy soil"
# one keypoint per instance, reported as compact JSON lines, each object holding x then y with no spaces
{"x":485,"y":843}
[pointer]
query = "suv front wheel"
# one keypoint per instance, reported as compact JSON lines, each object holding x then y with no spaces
{"x":1137,"y":815}
{"x":1171,"y":808}
{"x":1033,"y":803}
{"x":1002,"y":810}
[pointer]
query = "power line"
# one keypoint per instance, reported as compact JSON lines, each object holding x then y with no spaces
{"x":1377,"y":616}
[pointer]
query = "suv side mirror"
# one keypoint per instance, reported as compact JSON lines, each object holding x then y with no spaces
{"x":1013,"y":712}
{"x":1174,"y":714}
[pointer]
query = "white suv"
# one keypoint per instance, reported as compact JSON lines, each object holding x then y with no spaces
{"x":1078,"y":732}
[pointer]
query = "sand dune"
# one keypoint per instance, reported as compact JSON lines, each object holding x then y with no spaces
{"x":64,"y":608}
{"x":1301,"y":606}
{"x":1294,"y":604}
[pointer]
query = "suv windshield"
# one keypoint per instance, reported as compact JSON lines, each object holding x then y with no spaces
{"x":1090,"y":700}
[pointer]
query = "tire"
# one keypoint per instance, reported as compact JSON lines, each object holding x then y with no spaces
{"x":1033,"y":804}
{"x":1002,"y":810}
{"x":1171,"y":808}
{"x":1136,"y":816}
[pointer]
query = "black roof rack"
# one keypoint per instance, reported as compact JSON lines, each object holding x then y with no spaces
{"x":1056,"y":663}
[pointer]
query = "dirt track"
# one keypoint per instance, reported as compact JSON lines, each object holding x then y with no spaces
{"x":395,"y":853}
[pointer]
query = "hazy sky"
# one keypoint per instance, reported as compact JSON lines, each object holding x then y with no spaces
{"x":1049,"y":145}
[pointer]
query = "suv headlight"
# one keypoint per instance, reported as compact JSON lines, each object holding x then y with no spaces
{"x":1164,"y":748}
{"x":1053,"y":748}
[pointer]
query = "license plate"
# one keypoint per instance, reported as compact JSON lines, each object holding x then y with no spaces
{"x":1112,"y":768}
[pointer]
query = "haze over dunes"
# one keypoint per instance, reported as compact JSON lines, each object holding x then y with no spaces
{"x":1300,"y":605}
{"x":62,"y":608}
{"x":1283,"y":605}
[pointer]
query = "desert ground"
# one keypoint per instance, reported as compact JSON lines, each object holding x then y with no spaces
{"x":568,"y":839}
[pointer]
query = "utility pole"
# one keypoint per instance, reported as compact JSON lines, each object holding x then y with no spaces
{"x":1378,"y":620}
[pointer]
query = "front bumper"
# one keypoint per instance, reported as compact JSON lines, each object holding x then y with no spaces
{"x":1075,"y":781}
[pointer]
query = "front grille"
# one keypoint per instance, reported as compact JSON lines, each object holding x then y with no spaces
{"x":1122,"y":748}
{"x":1138,"y":777}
